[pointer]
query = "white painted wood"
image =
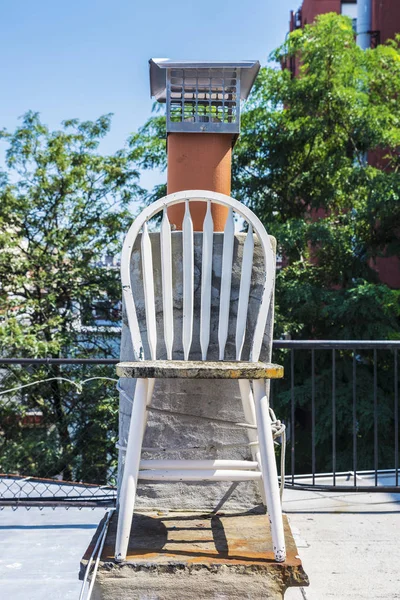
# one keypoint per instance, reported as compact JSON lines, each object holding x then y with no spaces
{"x":150,"y":390}
{"x":167,"y":293}
{"x":199,"y":475}
{"x":226,"y":279}
{"x":188,"y":281}
{"x":248,"y":408}
{"x":170,"y":464}
{"x":148,"y":285}
{"x":249,"y":411}
{"x":268,"y":468}
{"x":258,"y":335}
{"x":244,"y":291}
{"x":131,"y":469}
{"x":206,"y":277}
{"x":216,"y":198}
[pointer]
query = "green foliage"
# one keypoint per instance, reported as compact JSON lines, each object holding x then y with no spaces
{"x":300,"y":163}
{"x":148,"y":146}
{"x":63,"y":208}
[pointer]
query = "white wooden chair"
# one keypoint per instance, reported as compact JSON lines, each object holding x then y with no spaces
{"x":255,"y":402}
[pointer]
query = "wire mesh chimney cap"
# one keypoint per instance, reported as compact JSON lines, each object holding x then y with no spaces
{"x":202,"y":96}
{"x":158,"y":73}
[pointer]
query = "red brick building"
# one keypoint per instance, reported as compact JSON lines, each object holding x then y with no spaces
{"x":385,"y":18}
{"x":385,"y":23}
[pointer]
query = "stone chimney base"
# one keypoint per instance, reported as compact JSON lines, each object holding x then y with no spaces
{"x":194,"y":556}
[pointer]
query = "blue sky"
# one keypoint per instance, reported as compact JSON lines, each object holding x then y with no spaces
{"x":83,"y":59}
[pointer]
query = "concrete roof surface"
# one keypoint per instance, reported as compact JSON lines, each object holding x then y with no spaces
{"x":348,"y":543}
{"x":40,"y":551}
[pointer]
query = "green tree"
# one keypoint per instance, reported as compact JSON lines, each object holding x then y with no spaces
{"x":301,"y":164}
{"x":63,"y":207}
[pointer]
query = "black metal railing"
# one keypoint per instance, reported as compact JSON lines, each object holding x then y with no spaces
{"x":339,"y":400}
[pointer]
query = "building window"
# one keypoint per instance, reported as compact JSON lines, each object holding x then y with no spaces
{"x":349,"y":9}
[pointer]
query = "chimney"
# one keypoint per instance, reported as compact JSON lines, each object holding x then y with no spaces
{"x":203,"y":123}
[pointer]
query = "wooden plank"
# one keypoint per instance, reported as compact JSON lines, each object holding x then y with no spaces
{"x":130,"y":475}
{"x":270,"y":263}
{"x":148,"y":284}
{"x":268,"y":468}
{"x":226,"y":279}
{"x":199,"y":475}
{"x":206,"y":276}
{"x":203,"y":464}
{"x":184,"y":369}
{"x":167,"y":293}
{"x":188,"y":281}
{"x":244,"y":291}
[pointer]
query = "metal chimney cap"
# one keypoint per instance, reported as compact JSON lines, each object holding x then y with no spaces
{"x":158,"y":73}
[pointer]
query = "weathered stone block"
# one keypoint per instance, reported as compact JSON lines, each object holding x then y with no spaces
{"x":178,"y":556}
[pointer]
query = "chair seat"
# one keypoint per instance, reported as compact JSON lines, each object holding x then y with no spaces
{"x":187,"y":369}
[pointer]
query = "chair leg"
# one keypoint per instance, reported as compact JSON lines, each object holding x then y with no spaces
{"x":250,"y":416}
{"x":131,"y":470}
{"x":268,"y":469}
{"x":150,"y":390}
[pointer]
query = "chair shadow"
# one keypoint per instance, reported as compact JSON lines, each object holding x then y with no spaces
{"x":151,"y":535}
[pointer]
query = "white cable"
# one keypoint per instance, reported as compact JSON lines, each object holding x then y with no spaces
{"x":78,"y":385}
{"x":93,"y":378}
{"x":20,"y":387}
{"x":190,"y":416}
{"x":99,"y":542}
{"x":89,"y":564}
{"x":213,"y":446}
{"x":279,"y":430}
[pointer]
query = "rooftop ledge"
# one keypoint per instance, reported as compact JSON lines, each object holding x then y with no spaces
{"x":179,"y":555}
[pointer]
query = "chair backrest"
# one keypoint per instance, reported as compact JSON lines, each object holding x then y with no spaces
{"x":140,"y":225}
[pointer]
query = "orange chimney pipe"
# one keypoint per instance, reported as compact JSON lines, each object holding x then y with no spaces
{"x":199,"y":162}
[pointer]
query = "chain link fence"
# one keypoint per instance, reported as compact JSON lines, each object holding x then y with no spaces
{"x":58,"y":432}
